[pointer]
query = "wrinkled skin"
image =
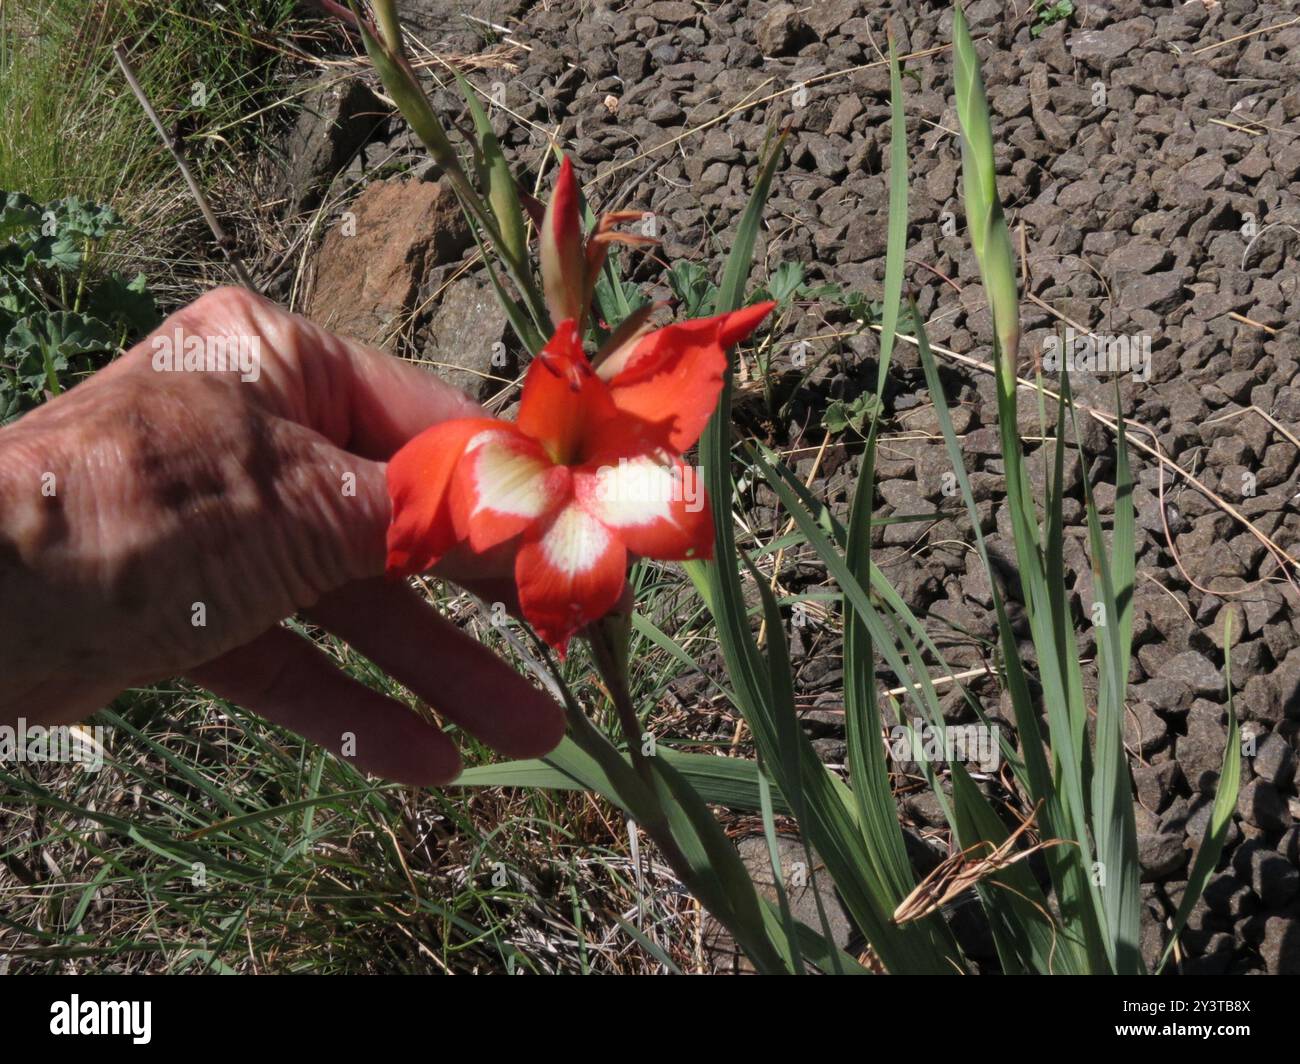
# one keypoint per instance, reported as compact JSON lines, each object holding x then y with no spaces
{"x":257,"y":500}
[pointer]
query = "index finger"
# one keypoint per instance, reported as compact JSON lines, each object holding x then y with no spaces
{"x":360,"y":398}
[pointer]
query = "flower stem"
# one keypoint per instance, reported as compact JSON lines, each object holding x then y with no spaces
{"x":639,"y":792}
{"x":608,"y":638}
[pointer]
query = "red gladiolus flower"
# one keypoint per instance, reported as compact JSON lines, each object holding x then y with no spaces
{"x":590,"y":473}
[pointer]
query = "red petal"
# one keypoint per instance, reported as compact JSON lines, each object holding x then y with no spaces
{"x":673,"y":376}
{"x":659,"y":509}
{"x":421,"y":529}
{"x":563,"y":398}
{"x":569,"y":573}
{"x":504,"y":483}
{"x":736,"y":326}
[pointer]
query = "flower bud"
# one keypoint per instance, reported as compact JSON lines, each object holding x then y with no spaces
{"x":564,"y":270}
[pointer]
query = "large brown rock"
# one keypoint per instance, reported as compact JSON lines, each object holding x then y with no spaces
{"x":369,"y":268}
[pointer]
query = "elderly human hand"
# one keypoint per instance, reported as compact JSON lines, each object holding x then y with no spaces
{"x":159,"y":521}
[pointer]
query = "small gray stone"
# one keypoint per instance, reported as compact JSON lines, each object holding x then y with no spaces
{"x":673,"y":11}
{"x":1155,"y":784}
{"x":1228,"y":896}
{"x":1199,"y":822}
{"x":1274,"y":759}
{"x":782,"y":31}
{"x":1214,"y":958}
{"x":1260,"y":804}
{"x":1261,"y":701}
{"x":1287,"y":677}
{"x":1102,"y":46}
{"x":1280,"y":946}
{"x":1160,"y":854}
{"x":1155,"y":291}
{"x":826,"y":154}
{"x":1204,"y":172}
{"x":1230,"y":614}
{"x":718,"y":147}
{"x":1079,"y":195}
{"x":1194,"y":670}
{"x":1144,"y":729}
{"x":1273,"y":878}
{"x":666,"y":113}
{"x":827,"y":16}
{"x":1137,"y":256}
{"x":1200,"y":751}
{"x":715,"y":175}
{"x":1170,"y":696}
{"x":1289,"y":845}
{"x":1262,"y":605}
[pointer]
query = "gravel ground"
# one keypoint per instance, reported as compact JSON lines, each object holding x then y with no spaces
{"x":1152,"y":162}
